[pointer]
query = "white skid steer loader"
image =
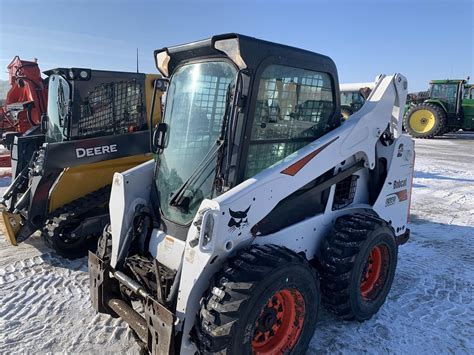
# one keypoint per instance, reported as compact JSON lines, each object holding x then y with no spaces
{"x":259,"y":205}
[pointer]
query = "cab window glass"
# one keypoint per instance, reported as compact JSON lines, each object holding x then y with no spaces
{"x":294,"y":107}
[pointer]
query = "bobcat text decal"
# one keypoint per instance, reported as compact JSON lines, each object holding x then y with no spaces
{"x":397,"y":184}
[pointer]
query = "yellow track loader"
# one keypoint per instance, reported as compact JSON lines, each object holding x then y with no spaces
{"x":96,"y":124}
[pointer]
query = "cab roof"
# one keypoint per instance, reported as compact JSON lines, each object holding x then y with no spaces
{"x":252,"y":51}
{"x":447,"y":81}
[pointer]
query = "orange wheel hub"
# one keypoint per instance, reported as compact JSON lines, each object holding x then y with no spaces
{"x":279,"y":324}
{"x":373,"y":272}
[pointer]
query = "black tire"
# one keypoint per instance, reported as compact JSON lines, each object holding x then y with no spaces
{"x":56,"y":233}
{"x":344,"y":263}
{"x":241,"y":293}
{"x":345,"y":113}
{"x":439,"y":123}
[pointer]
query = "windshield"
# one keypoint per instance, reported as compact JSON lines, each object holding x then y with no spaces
{"x":58,"y":107}
{"x":195,"y":106}
{"x":444,"y":91}
{"x":447,"y":93}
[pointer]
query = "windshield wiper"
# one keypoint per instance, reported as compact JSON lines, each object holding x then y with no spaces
{"x":177,"y":198}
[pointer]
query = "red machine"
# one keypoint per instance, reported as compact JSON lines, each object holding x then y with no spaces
{"x":25,"y":103}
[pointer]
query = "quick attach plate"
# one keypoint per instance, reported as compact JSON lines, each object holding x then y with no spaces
{"x":160,"y":323}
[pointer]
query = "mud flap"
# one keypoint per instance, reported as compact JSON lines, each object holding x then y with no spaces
{"x":403,"y":238}
{"x":160,"y":324}
{"x":10,"y":224}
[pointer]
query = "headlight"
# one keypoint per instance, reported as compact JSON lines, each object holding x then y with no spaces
{"x":231,"y":48}
{"x":162,"y":59}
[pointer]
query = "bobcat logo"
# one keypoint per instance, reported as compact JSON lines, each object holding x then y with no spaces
{"x":238,"y":219}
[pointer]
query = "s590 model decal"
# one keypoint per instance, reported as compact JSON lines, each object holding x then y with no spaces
{"x":90,"y":152}
{"x":391,"y":198}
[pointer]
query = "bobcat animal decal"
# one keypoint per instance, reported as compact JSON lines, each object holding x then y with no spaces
{"x":238,"y":219}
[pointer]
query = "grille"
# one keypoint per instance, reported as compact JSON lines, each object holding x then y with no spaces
{"x":112,"y":108}
{"x":345,"y":192}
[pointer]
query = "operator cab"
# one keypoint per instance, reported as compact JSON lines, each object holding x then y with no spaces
{"x":448,"y":91}
{"x":85,"y":103}
{"x":235,"y":106}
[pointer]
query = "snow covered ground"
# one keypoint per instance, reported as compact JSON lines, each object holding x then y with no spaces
{"x":44,"y":305}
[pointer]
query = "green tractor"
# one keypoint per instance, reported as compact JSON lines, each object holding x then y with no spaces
{"x":448,"y":105}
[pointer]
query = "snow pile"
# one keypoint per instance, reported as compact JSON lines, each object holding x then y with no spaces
{"x":45,"y":303}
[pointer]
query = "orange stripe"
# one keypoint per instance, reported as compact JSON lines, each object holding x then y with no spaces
{"x":295,"y":167}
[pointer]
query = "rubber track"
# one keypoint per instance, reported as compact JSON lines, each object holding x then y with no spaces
{"x":337,"y":257}
{"x":232,"y":289}
{"x":60,"y":217}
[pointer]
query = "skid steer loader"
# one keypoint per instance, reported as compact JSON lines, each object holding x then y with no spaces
{"x":96,"y":125}
{"x":259,"y":206}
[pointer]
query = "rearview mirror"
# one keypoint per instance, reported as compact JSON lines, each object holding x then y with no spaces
{"x":159,"y":138}
{"x":161,"y":84}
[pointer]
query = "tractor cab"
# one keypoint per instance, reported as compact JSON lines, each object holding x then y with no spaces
{"x":86,"y":103}
{"x":448,"y":93}
{"x":469,"y":92}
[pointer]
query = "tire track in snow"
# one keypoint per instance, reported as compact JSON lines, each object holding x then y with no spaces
{"x":45,"y":307}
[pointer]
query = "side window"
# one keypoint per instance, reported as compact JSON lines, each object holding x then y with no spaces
{"x":294,"y":107}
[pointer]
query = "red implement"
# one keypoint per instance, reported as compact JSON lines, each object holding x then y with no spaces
{"x":26,"y":100}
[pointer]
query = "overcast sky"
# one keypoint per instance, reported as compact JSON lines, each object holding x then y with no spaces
{"x":422,"y":39}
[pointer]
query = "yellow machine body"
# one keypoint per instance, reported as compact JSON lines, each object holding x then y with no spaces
{"x":76,"y":182}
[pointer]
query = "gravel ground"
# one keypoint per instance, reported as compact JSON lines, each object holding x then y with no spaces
{"x":45,"y":307}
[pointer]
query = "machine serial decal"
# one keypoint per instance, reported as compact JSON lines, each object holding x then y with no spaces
{"x":401,"y":195}
{"x":90,"y":152}
{"x":296,"y":167}
{"x":238,"y":219}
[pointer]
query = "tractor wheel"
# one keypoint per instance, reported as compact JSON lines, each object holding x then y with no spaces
{"x":424,"y":120}
{"x":345,"y":113}
{"x":358,"y":262}
{"x":264,"y":301}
